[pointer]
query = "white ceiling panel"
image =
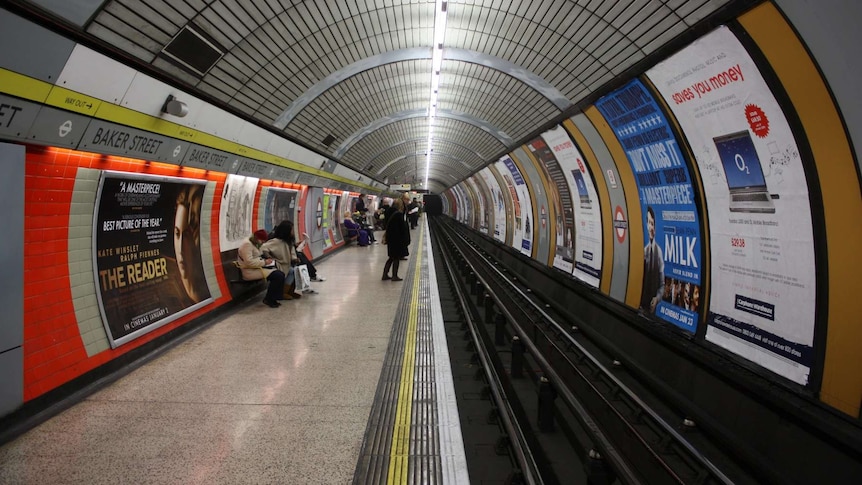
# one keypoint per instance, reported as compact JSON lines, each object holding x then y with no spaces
{"x":96,"y":75}
{"x":296,"y":56}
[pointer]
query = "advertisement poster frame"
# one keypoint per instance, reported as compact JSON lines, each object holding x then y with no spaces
{"x":524,"y":210}
{"x":477,"y":219}
{"x":560,"y":196}
{"x":140,"y":284}
{"x":278,"y":203}
{"x":764,"y":269}
{"x":328,"y":210}
{"x":586,"y":241}
{"x":670,"y":206}
{"x":498,"y":203}
{"x":236,"y":210}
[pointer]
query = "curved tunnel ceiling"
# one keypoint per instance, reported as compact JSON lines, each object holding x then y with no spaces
{"x":352,"y":79}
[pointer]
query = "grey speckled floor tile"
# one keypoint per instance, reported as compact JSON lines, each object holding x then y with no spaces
{"x":265,"y":396}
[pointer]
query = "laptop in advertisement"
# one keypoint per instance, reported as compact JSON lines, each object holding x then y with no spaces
{"x":745,"y":180}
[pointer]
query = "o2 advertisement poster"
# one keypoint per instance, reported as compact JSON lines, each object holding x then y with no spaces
{"x":672,"y":256}
{"x":147,"y":252}
{"x":763,"y":270}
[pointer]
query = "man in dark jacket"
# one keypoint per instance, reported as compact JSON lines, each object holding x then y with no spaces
{"x":360,"y":205}
{"x":413,"y":213}
{"x":397,"y":240}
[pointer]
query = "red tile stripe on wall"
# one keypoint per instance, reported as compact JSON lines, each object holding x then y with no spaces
{"x":54,"y":352}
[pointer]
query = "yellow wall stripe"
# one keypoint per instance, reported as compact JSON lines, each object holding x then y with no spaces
{"x":633,"y":208}
{"x":399,"y":454}
{"x":25,"y":87}
{"x":32,"y":89}
{"x":69,"y":100}
{"x":842,"y":200}
{"x":534,"y":239}
{"x":604,"y":201}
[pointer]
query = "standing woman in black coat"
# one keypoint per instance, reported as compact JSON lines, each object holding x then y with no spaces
{"x":397,"y":239}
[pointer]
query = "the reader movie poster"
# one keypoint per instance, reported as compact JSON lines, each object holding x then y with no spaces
{"x":147,"y":252}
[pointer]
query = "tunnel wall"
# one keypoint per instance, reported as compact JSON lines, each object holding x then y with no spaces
{"x":767,"y":284}
{"x":827,"y":28}
{"x":58,"y":90}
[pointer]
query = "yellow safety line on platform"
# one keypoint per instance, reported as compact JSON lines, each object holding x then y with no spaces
{"x":400,"y":452}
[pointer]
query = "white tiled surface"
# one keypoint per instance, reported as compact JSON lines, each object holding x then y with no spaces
{"x":264,"y":396}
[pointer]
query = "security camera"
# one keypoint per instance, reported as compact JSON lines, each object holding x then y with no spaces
{"x":174,"y":107}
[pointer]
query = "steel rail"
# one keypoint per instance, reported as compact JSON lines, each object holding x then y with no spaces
{"x":521,"y":449}
{"x":605,"y":446}
{"x":692,"y":452}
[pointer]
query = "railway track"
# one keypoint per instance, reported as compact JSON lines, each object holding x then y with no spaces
{"x":548,"y":381}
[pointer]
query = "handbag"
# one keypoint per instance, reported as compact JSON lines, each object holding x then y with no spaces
{"x":383,"y":240}
{"x":303,"y":281}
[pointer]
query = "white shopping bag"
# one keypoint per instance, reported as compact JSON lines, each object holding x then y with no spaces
{"x":303,"y":281}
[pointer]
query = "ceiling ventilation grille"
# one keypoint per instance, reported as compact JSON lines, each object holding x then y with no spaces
{"x":193,"y":50}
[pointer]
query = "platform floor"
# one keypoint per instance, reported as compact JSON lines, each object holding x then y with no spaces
{"x":261,"y":396}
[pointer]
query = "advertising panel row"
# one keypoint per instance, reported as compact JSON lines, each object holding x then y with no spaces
{"x":147,"y":237}
{"x":744,"y":186}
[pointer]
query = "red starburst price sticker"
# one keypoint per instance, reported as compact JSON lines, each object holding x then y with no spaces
{"x":757,"y":120}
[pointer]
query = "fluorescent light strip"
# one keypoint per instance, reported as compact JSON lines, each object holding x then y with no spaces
{"x":436,"y":65}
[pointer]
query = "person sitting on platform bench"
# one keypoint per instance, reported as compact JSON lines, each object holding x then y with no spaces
{"x":281,"y":249}
{"x":303,"y":259}
{"x":354,"y":230}
{"x":255,"y":267}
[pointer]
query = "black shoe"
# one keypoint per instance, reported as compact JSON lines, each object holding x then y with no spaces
{"x":395,"y":278}
{"x":271,"y":303}
{"x":386,"y":277}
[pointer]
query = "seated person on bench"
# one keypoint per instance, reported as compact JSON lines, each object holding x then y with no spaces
{"x":362,"y":220}
{"x":312,"y":271}
{"x":281,"y":249}
{"x":354,"y":230}
{"x":255,"y":267}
